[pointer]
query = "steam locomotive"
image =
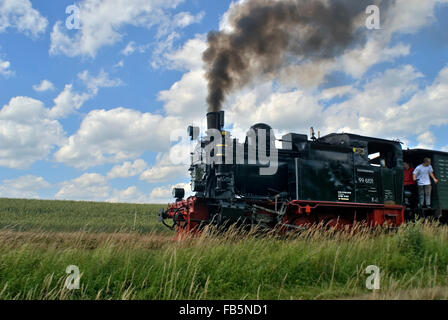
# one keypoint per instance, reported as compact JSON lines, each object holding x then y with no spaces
{"x":336,"y":180}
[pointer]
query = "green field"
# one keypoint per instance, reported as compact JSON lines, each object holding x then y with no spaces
{"x":124,"y":253}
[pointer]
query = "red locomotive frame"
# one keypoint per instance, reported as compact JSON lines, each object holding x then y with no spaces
{"x":188,"y":215}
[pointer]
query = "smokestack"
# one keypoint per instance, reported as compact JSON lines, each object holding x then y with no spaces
{"x":215,"y":120}
{"x":268,"y":35}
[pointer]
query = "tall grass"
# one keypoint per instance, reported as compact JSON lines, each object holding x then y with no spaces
{"x":316,"y":264}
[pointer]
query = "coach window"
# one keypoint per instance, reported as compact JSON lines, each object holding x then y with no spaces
{"x":382,"y":155}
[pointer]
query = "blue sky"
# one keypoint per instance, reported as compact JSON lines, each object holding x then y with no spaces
{"x":85,"y":134}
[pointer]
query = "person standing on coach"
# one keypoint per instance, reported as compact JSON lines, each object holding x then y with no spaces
{"x":422,"y":175}
{"x":409,"y":183}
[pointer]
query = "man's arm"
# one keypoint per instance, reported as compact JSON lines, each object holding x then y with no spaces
{"x":434,"y":178}
{"x":414,"y":174}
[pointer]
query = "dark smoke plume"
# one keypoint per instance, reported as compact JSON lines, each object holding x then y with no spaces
{"x":269,"y":34}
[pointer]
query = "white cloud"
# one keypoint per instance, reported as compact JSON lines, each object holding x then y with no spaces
{"x":5,"y":68}
{"x":116,"y":135}
{"x":186,"y":98}
{"x":27,"y":133}
{"x":45,"y":85}
{"x":402,"y":17}
{"x":336,"y":92}
{"x":164,"y":194}
{"x":119,"y":64}
{"x":127,"y":169}
{"x":23,"y":187}
{"x":102,"y":22}
{"x":20,"y":15}
{"x":102,"y":80}
{"x":130,"y":195}
{"x":393,"y":105}
{"x":189,"y":57}
{"x":160,"y":173}
{"x":68,"y":101}
{"x":426,"y":140}
{"x":89,"y":186}
{"x":164,"y":47}
{"x":358,"y":61}
{"x":409,"y":16}
{"x":184,"y":19}
{"x":292,"y":110}
{"x":95,"y":187}
{"x":132,"y":47}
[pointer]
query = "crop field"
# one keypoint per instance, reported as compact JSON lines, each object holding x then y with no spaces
{"x":123,"y":252}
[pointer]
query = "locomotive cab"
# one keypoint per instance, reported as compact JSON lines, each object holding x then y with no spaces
{"x":377,"y":168}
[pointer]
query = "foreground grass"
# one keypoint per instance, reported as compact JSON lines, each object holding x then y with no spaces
{"x":124,"y":253}
{"x":314,"y":265}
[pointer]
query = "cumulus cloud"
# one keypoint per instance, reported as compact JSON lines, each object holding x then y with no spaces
{"x":189,"y":56}
{"x":132,"y":47}
{"x":184,"y":19}
{"x":45,"y":85}
{"x":160,"y":173}
{"x":102,"y":80}
{"x":23,"y":187}
{"x":127,"y":169}
{"x":409,"y":16}
{"x":336,"y":92}
{"x":69,"y":101}
{"x":291,"y":110}
{"x":117,"y":135}
{"x":168,"y":34}
{"x":20,"y":15}
{"x":89,"y":186}
{"x":170,"y":166}
{"x":164,"y":194}
{"x":95,"y":187}
{"x":5,"y":68}
{"x":397,"y":103}
{"x":129,"y":195}
{"x":393,"y":104}
{"x":426,"y":140}
{"x":186,"y":98}
{"x":102,"y":23}
{"x":27,"y":132}
{"x":119,"y":64}
{"x":359,"y":60}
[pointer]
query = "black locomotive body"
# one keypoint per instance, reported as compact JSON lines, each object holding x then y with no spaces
{"x":338,"y":179}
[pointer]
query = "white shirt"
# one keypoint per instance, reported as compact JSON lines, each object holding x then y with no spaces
{"x":422,"y":174}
